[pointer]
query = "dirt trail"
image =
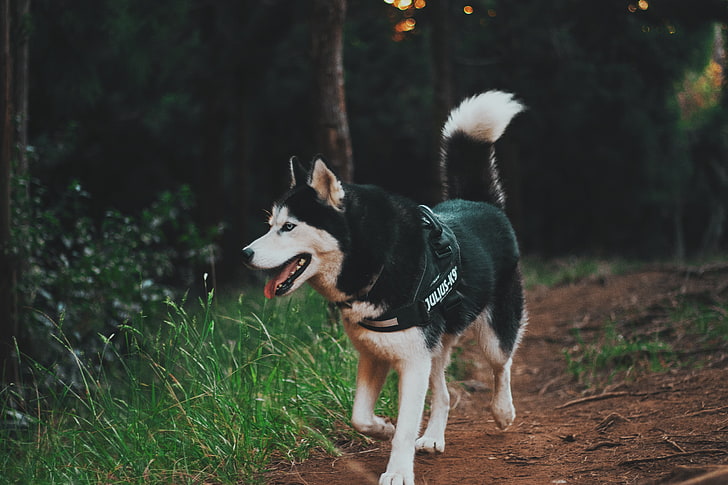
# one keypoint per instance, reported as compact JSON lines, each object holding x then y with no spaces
{"x":650,"y":429}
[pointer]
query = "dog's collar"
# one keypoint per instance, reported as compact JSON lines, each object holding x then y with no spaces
{"x":437,"y":287}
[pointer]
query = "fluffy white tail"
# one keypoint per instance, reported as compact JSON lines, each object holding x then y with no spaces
{"x":483,"y":117}
{"x":477,"y":122}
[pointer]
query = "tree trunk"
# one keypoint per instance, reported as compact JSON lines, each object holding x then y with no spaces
{"x":8,"y":313}
{"x":440,"y":48}
{"x":714,"y":229}
{"x":716,"y":168}
{"x":331,"y":124}
{"x":20,"y":45}
{"x":678,"y":227}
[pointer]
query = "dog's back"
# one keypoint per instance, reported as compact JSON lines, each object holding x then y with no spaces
{"x":490,"y":276}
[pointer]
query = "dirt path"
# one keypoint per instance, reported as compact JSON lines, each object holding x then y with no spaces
{"x":645,"y":429}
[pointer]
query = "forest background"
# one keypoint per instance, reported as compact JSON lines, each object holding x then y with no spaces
{"x":142,"y":141}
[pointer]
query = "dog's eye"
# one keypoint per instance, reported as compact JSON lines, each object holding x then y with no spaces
{"x":287,"y":227}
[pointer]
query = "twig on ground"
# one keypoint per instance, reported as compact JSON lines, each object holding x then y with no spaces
{"x":603,"y":444}
{"x":597,"y":397}
{"x":548,"y":384}
{"x":707,"y":411}
{"x":670,"y":457}
{"x":610,"y":421}
{"x":673,"y":444}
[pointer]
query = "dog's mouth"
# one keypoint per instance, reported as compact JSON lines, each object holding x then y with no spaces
{"x":286,"y":275}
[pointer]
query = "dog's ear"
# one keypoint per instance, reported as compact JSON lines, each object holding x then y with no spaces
{"x":326,"y":184}
{"x":299,"y":173}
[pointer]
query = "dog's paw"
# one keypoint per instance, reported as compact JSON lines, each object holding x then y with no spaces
{"x":504,"y":414}
{"x":378,"y":428}
{"x":397,"y":479}
{"x":384,"y":430}
{"x":429,"y":444}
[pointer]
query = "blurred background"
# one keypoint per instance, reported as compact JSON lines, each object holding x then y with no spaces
{"x":143,"y":141}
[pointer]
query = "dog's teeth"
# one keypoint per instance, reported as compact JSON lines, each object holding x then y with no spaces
{"x":300,"y":264}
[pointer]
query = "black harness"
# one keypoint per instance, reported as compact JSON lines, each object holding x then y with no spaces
{"x":437,"y":288}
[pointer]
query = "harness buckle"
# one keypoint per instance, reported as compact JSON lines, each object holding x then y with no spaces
{"x":442,"y":252}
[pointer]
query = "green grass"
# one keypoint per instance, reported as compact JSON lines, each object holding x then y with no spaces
{"x":218,"y":391}
{"x":600,"y":361}
{"x":564,"y":271}
{"x":686,"y":335}
{"x":703,"y":324}
{"x":213,"y":395}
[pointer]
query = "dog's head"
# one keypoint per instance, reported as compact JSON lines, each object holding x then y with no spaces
{"x":306,"y":231}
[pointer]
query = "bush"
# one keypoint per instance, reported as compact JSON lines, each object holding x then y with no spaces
{"x":89,"y":275}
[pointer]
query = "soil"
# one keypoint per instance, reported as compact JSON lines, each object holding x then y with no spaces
{"x":637,"y":426}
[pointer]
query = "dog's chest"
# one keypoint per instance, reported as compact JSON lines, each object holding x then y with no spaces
{"x":389,"y":346}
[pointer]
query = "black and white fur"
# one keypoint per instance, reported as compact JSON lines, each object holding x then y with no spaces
{"x":362,"y":247}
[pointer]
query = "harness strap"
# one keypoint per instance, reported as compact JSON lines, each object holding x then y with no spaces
{"x":440,"y":275}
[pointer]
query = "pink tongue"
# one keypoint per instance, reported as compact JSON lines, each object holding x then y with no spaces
{"x":270,"y":287}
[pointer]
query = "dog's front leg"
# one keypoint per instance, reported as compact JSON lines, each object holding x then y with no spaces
{"x":414,"y":374}
{"x":370,"y":378}
{"x":433,"y":440}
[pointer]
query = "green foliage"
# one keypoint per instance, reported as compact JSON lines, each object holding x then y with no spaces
{"x":213,"y":395}
{"x":137,"y":96}
{"x":614,"y":354}
{"x":88,"y":276}
{"x":606,"y":160}
{"x":704,"y":324}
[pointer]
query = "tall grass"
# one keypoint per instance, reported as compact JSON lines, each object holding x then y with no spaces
{"x":214,"y":395}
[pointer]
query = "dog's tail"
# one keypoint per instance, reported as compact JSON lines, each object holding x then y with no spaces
{"x":470,"y":130}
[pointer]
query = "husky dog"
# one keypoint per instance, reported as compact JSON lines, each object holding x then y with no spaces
{"x":408,"y":279}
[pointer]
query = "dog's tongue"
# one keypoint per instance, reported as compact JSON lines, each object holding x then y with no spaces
{"x":270,"y":287}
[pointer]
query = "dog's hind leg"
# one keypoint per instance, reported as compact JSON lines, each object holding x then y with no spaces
{"x":370,"y":378}
{"x":433,"y":440}
{"x":500,"y":328}
{"x":502,"y":404}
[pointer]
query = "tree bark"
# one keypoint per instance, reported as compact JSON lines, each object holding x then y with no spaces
{"x":331,"y":123}
{"x":20,"y":45}
{"x":8,"y":312}
{"x":716,"y":167}
{"x":440,"y":48}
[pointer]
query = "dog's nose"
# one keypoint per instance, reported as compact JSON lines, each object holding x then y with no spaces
{"x":248,"y":255}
